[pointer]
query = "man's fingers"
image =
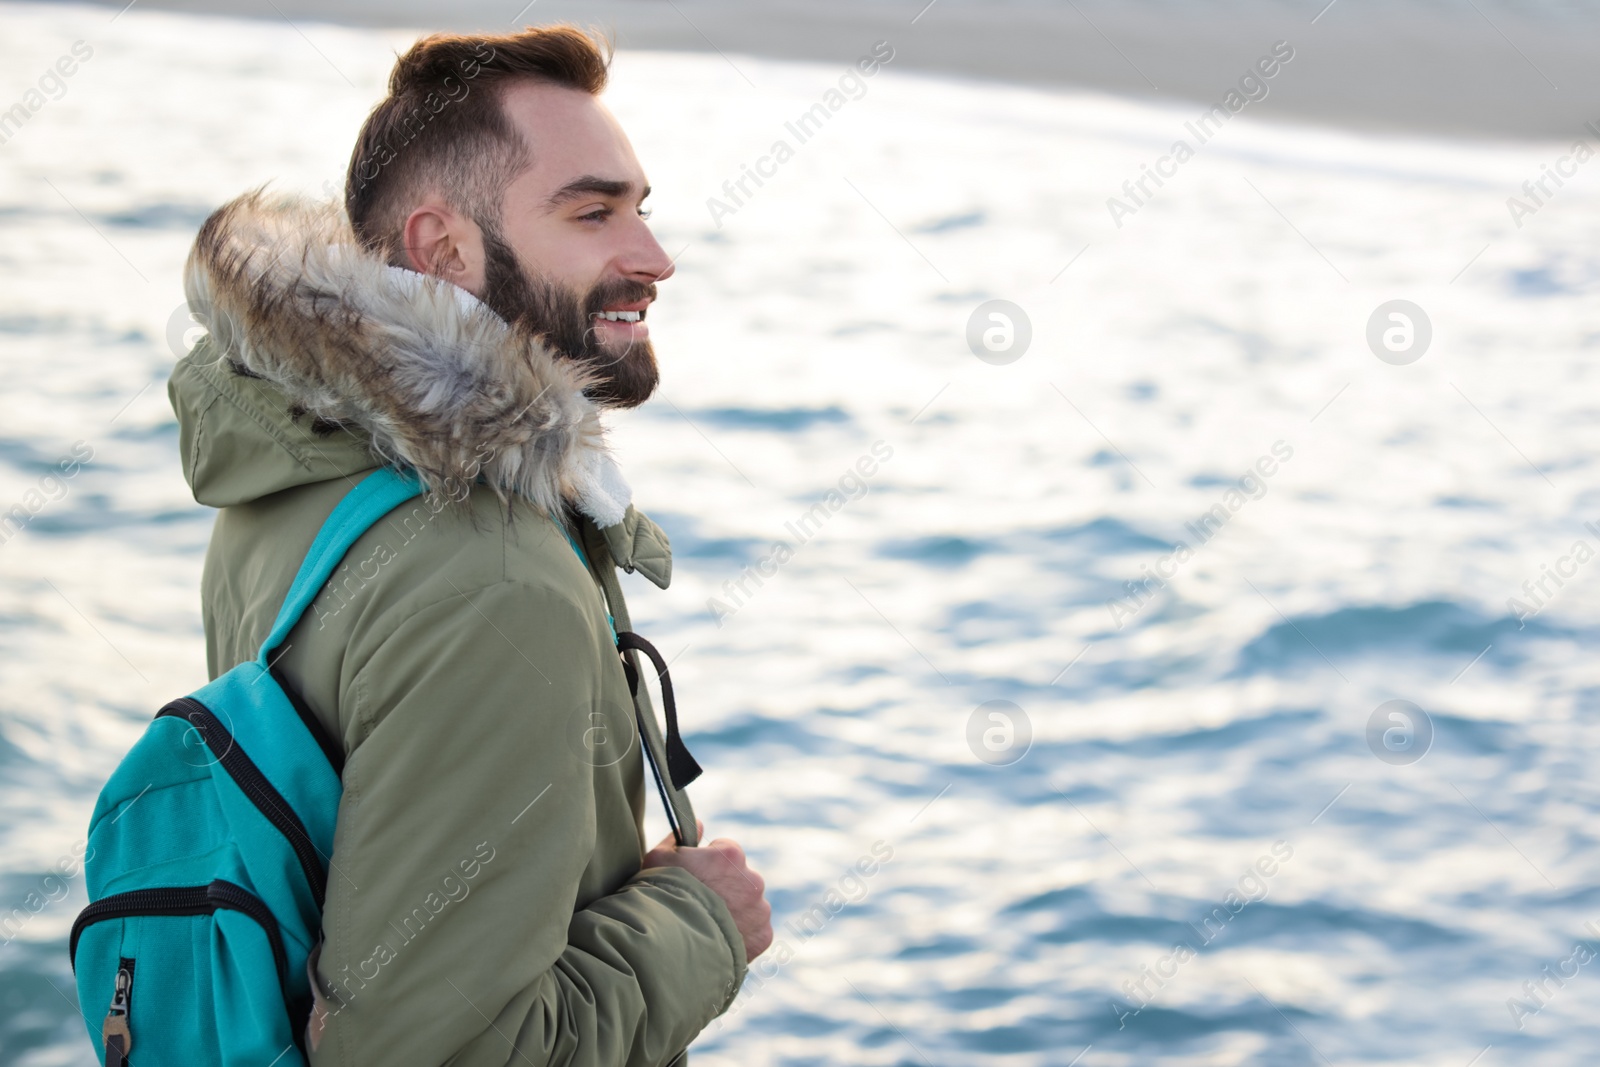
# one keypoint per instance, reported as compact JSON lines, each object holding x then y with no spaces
{"x":729,"y":848}
{"x":669,"y":844}
{"x":664,"y":854}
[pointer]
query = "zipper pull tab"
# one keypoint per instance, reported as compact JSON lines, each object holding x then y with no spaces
{"x":114,"y":1031}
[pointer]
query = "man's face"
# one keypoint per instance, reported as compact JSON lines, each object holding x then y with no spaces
{"x":570,"y":256}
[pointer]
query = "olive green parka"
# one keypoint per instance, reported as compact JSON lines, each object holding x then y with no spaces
{"x":485,"y":899}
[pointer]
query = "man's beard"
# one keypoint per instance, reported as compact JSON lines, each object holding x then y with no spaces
{"x":563,"y":319}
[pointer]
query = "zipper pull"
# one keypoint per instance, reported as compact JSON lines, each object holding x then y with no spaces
{"x":114,"y":1031}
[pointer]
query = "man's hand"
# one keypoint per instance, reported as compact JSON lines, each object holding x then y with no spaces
{"x":721,"y":866}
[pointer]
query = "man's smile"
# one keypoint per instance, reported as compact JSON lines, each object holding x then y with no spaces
{"x":624,"y":323}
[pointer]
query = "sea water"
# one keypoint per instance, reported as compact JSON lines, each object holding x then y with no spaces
{"x":1049,"y":689}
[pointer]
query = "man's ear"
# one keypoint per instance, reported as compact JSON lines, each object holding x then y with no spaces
{"x":446,"y":244}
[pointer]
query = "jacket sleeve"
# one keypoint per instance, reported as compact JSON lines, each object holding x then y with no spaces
{"x":485,"y":904}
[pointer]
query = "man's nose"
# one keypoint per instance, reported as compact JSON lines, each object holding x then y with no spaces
{"x":647,"y":260}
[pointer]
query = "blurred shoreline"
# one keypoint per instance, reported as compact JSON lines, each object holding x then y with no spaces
{"x":1482,"y":69}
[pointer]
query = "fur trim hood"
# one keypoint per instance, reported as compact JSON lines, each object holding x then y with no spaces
{"x":434,"y":380}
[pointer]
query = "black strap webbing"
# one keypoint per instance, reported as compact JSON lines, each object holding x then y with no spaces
{"x":681,"y":766}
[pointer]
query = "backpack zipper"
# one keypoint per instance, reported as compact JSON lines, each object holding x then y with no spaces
{"x":182,"y":900}
{"x":116,"y":1033}
{"x":115,"y":1036}
{"x":256,"y":787}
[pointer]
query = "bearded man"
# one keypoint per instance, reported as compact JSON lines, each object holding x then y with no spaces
{"x":467,"y":317}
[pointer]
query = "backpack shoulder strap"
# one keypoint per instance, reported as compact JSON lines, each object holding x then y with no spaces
{"x":378,"y":494}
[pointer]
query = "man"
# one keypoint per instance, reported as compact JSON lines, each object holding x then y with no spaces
{"x":490,"y":900}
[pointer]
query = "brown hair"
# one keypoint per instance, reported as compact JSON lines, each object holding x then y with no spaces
{"x":442,"y":126}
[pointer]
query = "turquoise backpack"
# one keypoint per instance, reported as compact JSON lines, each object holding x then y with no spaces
{"x":209,"y":847}
{"x":208,"y":854}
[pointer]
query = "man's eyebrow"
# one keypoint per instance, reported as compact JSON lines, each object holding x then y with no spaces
{"x":589,"y":185}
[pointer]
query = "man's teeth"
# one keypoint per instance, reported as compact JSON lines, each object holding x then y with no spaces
{"x":618,"y":316}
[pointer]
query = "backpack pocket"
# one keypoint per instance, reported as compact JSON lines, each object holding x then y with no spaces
{"x":181,"y":971}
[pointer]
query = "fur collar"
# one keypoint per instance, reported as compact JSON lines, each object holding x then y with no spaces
{"x":437,"y":381}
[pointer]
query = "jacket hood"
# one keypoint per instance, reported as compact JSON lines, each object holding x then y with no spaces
{"x":322,"y":360}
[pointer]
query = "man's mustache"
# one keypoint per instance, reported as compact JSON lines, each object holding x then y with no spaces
{"x":617,"y":291}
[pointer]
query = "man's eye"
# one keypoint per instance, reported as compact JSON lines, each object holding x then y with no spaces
{"x":599,"y":214}
{"x":646,"y":212}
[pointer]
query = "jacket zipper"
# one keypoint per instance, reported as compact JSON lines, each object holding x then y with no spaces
{"x":182,"y":900}
{"x":256,"y":787}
